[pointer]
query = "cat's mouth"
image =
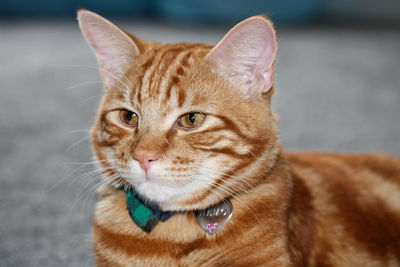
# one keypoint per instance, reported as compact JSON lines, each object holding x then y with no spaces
{"x":163,"y":188}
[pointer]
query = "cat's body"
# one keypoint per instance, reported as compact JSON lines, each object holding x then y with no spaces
{"x":189,"y":125}
{"x":322,"y":210}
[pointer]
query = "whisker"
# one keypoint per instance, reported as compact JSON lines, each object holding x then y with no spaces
{"x":81,"y":176}
{"x":87,"y":163}
{"x":244,"y":204}
{"x":83,"y":84}
{"x":126,"y":87}
{"x":91,"y":98}
{"x":242,"y":190}
{"x":78,"y":131}
{"x":87,"y":188}
{"x":77,"y":142}
{"x":251,"y":153}
{"x":66,"y":177}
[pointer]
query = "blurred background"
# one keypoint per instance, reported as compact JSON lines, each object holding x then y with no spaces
{"x":338,"y":80}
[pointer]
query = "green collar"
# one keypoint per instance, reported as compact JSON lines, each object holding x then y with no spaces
{"x":144,"y":213}
{"x":147,"y":214}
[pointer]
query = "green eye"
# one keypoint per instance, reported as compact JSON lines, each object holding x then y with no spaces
{"x":129,"y":118}
{"x":191,"y":120}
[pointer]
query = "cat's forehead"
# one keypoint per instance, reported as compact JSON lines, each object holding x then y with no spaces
{"x":168,"y":76}
{"x":164,"y":66}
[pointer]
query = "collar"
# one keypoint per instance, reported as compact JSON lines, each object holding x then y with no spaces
{"x":146,"y":214}
{"x":143,"y":212}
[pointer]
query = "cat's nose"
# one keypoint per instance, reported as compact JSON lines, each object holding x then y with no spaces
{"x":145,"y":157}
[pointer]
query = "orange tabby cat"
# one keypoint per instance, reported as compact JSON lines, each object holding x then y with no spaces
{"x":186,"y":127}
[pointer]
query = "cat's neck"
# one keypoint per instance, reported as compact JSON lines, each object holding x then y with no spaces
{"x":273,"y":191}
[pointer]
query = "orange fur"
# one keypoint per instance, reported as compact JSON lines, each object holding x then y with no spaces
{"x":290,"y":209}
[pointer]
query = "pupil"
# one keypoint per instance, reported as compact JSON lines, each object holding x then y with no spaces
{"x":192,"y":118}
{"x":129,"y":115}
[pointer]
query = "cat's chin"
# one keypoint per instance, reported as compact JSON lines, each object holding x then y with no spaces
{"x":167,"y":198}
{"x":159,"y":193}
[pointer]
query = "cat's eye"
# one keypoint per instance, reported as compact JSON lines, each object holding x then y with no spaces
{"x":191,"y":120}
{"x":129,"y":118}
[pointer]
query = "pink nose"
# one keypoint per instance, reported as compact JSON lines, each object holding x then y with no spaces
{"x":145,"y":157}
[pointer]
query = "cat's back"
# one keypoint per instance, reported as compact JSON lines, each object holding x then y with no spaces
{"x":346,"y":209}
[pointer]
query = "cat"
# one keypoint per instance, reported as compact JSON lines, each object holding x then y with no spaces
{"x":186,"y":131}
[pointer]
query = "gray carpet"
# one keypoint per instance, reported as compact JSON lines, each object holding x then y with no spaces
{"x":338,"y":90}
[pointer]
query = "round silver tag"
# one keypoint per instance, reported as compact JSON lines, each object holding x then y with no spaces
{"x":213,"y":218}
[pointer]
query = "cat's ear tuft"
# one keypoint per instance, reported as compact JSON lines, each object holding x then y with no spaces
{"x":246,"y":55}
{"x":114,"y":48}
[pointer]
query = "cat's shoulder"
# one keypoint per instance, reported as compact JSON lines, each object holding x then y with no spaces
{"x":343,"y":166}
{"x":375,"y":161}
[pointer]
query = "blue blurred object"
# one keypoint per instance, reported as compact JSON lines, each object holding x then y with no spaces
{"x":124,"y":7}
{"x":204,"y":11}
{"x":38,"y":7}
{"x":280,"y":11}
{"x":69,"y":7}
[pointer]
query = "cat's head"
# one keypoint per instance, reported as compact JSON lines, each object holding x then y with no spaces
{"x":185,"y":124}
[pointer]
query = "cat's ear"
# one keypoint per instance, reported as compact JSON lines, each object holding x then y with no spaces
{"x":114,"y":48}
{"x":246,"y":55}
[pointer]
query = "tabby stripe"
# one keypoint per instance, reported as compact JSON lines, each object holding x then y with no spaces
{"x":159,"y":69}
{"x":213,"y":130}
{"x":108,"y":143}
{"x":208,"y":143}
{"x":180,"y":71}
{"x":175,"y":79}
{"x":224,"y":179}
{"x":385,"y":231}
{"x":156,"y":68}
{"x":146,"y":69}
{"x":164,"y":66}
{"x":138,"y":89}
{"x":112,"y":129}
{"x":257,"y":147}
{"x":222,"y":150}
{"x":103,"y":261}
{"x":357,"y":217}
{"x":181,"y":97}
{"x":302,"y":202}
{"x":149,"y":73}
{"x":144,"y":246}
{"x":109,"y":257}
{"x":231,"y":126}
